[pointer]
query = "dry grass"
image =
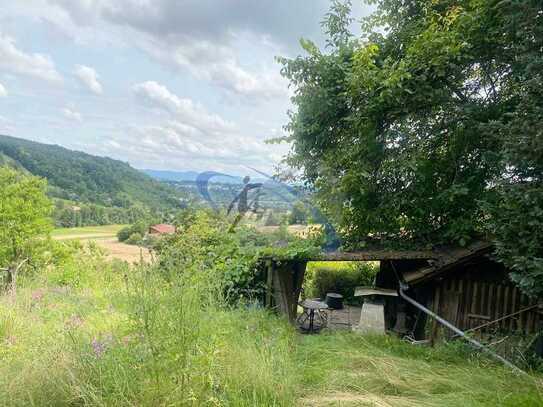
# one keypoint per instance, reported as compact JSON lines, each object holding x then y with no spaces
{"x":106,"y":238}
{"x":125,"y":252}
{"x":346,"y":369}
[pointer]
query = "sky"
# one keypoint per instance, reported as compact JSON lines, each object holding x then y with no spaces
{"x":161,"y":84}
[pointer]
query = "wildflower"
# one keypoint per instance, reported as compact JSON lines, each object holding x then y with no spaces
{"x":75,"y":321}
{"x":99,"y":348}
{"x":38,"y":294}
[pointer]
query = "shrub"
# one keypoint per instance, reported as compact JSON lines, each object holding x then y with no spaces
{"x":24,"y":217}
{"x":139,"y":228}
{"x":273,"y":219}
{"x":135,"y":238}
{"x":338,"y":277}
{"x":124,"y":233}
{"x":235,"y":256}
{"x":150,"y":241}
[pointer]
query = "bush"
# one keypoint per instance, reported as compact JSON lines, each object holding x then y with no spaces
{"x":273,"y":219}
{"x":139,"y":228}
{"x":135,"y":238}
{"x":234,"y":255}
{"x":124,"y":233}
{"x":339,"y":277}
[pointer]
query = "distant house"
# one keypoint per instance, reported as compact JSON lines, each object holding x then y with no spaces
{"x":161,"y":229}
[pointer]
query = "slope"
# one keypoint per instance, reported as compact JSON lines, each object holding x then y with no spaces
{"x":82,"y":177}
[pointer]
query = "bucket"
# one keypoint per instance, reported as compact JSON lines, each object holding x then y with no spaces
{"x":334,"y":301}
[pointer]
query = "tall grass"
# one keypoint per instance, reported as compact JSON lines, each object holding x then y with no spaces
{"x":139,"y":337}
{"x":96,"y":333}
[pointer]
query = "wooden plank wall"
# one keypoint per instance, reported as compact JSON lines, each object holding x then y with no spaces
{"x":469,"y":303}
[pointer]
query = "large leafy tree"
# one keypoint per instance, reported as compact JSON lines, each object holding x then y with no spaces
{"x":24,"y":215}
{"x":426,"y":129}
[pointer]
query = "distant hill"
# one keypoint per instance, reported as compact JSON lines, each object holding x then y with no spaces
{"x":81,"y":177}
{"x":178,"y":176}
{"x":190,"y":176}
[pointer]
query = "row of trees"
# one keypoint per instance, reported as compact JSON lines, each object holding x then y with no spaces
{"x":70,"y":214}
{"x":426,"y":129}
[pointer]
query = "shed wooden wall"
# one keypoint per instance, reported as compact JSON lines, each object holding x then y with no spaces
{"x":481,"y":293}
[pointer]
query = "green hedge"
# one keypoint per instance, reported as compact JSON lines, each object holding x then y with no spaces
{"x":339,"y":277}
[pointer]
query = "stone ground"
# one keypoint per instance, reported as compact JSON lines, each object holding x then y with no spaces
{"x":344,"y":318}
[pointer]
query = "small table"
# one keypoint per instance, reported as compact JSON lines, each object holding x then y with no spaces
{"x":315,"y":314}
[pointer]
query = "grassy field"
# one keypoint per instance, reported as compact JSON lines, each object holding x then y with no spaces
{"x":82,"y":334}
{"x":94,"y":331}
{"x":87,"y":232}
{"x":106,"y":238}
{"x":346,"y":369}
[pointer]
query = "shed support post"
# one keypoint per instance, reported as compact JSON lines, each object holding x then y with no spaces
{"x":435,"y":325}
{"x":269,"y":283}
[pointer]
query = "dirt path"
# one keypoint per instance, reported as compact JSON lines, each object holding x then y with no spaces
{"x":125,"y":252}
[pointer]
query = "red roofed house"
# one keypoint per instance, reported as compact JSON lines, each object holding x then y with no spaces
{"x":161,"y":229}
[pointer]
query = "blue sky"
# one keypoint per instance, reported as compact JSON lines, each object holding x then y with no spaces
{"x":162,"y":84}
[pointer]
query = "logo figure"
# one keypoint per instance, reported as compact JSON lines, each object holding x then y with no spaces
{"x":242,"y":200}
{"x":273,"y":187}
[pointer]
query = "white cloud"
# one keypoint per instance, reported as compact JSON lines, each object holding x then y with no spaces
{"x":83,"y":12}
{"x":185,"y":110}
{"x":283,"y":20}
{"x":3,"y":91}
{"x":72,"y":114}
{"x":231,"y":76}
{"x":36,"y":65}
{"x":175,"y":145}
{"x":204,"y":36}
{"x":89,"y":78}
{"x":192,"y":134}
{"x":217,"y":65}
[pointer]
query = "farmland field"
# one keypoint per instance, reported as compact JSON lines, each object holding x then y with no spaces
{"x":87,"y":232}
{"x":106,"y":238}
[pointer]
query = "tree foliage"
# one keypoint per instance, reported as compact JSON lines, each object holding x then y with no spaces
{"x":24,"y":214}
{"x":70,"y":214}
{"x":206,"y":241}
{"x":299,"y":214}
{"x":427,"y":128}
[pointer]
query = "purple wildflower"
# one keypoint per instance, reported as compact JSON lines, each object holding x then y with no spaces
{"x":98,"y":347}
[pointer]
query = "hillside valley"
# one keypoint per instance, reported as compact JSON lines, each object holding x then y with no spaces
{"x":81,"y":177}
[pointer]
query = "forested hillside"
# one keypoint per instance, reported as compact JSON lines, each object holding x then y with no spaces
{"x":82,"y":177}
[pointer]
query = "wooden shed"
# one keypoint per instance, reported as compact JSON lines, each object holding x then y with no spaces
{"x":465,"y":286}
{"x":284,"y":277}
